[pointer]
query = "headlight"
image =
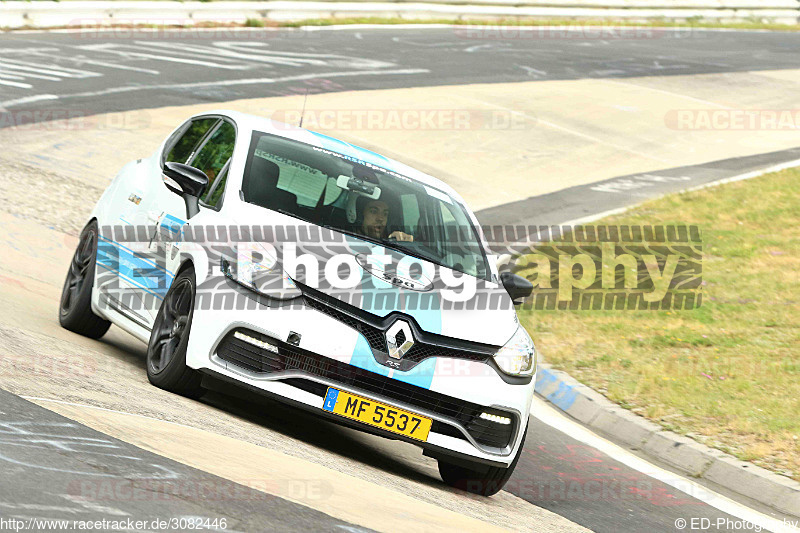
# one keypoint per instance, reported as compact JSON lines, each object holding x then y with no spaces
{"x":518,"y":356}
{"x":260,"y":272}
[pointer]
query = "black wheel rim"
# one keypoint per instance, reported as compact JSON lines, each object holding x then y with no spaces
{"x":78,"y":271}
{"x":170,"y":326}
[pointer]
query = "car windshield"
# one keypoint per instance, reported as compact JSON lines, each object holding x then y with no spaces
{"x":359,"y":198}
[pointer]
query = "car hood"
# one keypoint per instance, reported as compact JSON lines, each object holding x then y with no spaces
{"x":381,"y":281}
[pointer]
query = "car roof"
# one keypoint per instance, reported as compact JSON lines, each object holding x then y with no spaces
{"x":247,"y":123}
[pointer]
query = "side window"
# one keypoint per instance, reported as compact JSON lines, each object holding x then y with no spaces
{"x":458,"y":239}
{"x":452,"y":231}
{"x":447,"y":215}
{"x":183,"y":149}
{"x":213,"y":158}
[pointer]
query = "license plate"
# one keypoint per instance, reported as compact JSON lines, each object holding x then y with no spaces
{"x":377,"y":414}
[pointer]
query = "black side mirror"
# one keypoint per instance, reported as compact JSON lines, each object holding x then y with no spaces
{"x":192,"y":183}
{"x":517,"y":286}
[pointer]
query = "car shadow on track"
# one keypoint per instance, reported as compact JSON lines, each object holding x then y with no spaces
{"x":392,"y":457}
{"x":298,"y":424}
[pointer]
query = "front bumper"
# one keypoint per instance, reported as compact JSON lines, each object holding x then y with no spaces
{"x":330,"y":353}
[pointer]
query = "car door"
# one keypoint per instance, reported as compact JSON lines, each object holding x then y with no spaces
{"x":140,"y":277}
{"x":146,"y":278}
{"x":207,"y":144}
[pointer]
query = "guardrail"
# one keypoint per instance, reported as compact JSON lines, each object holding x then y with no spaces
{"x":42,"y":14}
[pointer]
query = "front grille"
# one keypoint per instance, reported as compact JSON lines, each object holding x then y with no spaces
{"x":374,"y":335}
{"x":420,"y":352}
{"x":373,"y":329}
{"x":255,"y":359}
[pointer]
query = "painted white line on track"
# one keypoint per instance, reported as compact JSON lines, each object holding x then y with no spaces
{"x":620,"y":210}
{"x":548,"y":415}
{"x":5,"y":52}
{"x":16,"y":84}
{"x":228,"y":52}
{"x":48,"y":69}
{"x":555,"y":419}
{"x":28,"y":100}
{"x":220,"y":83}
{"x":82,"y":60}
{"x":26,"y":74}
{"x":741,"y":177}
{"x":8,"y":76}
{"x":748,"y":175}
{"x":129,"y":51}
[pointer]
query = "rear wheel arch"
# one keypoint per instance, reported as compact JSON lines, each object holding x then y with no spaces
{"x":185,"y":265}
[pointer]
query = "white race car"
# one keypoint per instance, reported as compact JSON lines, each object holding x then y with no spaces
{"x":318,"y":273}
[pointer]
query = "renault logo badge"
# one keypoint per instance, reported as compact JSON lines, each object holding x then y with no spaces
{"x":399,"y":339}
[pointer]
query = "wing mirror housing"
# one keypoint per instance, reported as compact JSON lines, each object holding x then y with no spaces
{"x":192,"y":183}
{"x":517,"y":287}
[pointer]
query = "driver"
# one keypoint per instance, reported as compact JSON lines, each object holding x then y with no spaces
{"x":375,"y":218}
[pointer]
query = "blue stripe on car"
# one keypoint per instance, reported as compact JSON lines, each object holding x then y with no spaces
{"x":132,"y":282}
{"x":421,"y":375}
{"x":139,"y":271}
{"x":362,"y":358}
{"x":172,"y":223}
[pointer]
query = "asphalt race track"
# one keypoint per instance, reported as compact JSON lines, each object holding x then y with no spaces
{"x":45,"y":76}
{"x":80,"y":468}
{"x":95,"y":72}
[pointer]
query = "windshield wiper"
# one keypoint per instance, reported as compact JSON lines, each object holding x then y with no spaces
{"x":293,"y":215}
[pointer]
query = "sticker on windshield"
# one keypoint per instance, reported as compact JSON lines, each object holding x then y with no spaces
{"x":415,"y":281}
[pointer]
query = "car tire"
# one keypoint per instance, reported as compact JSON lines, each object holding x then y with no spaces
{"x":75,"y":308}
{"x":479,"y":479}
{"x":166,"y":351}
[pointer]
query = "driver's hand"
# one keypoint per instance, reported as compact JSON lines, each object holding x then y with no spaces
{"x":400,"y":236}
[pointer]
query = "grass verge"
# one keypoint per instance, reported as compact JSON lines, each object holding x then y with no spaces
{"x":727,"y":373}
